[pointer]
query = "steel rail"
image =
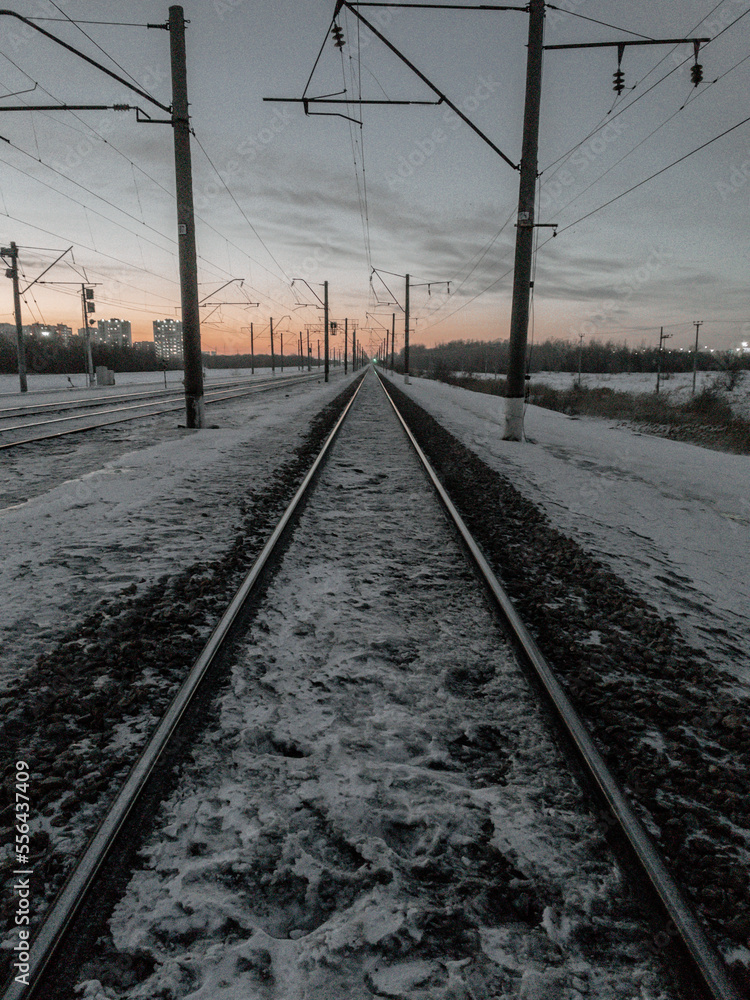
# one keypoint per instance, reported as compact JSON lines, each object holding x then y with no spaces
{"x":82,"y":403}
{"x":265,"y":387}
{"x":74,"y":891}
{"x":708,"y":962}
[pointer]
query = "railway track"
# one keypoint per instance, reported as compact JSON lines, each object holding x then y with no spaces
{"x":16,"y":427}
{"x":374,"y":806}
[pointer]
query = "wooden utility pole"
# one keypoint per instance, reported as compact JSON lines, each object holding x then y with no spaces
{"x":698,"y":324}
{"x":191,"y":324}
{"x":12,"y":254}
{"x":519,"y":317}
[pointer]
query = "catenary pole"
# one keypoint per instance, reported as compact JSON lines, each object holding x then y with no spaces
{"x":406,"y":332}
{"x":191,"y":327}
{"x":698,"y":324}
{"x":89,"y":361}
{"x":273,"y":360}
{"x":252,"y":351}
{"x":20,"y":349}
{"x":519,"y":317}
{"x":346,"y":336}
{"x":393,"y":339}
{"x":325,"y":334}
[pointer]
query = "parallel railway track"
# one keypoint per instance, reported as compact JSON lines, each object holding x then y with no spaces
{"x":119,"y":831}
{"x":16,"y":429}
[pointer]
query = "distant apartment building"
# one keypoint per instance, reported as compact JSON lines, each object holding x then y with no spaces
{"x":115,"y":332}
{"x":59,"y":333}
{"x":168,"y":339}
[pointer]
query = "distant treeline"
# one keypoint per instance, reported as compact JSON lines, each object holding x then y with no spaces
{"x":57,"y":359}
{"x":563,"y":356}
{"x":456,"y":356}
{"x":44,"y":358}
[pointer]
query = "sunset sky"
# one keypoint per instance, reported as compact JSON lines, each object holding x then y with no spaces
{"x":282,"y":196}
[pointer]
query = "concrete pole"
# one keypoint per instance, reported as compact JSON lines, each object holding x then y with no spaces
{"x":406,"y":333}
{"x":698,"y":324}
{"x":281,"y":338}
{"x":20,"y":349}
{"x":309,"y":362}
{"x":252,"y":351}
{"x":393,"y":339}
{"x":519,"y":318}
{"x":325,"y":335}
{"x":273,"y":359}
{"x":191,"y":324}
{"x":88,"y":359}
{"x":346,"y":337}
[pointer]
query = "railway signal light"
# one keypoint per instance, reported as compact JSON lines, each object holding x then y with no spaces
{"x":338,"y":36}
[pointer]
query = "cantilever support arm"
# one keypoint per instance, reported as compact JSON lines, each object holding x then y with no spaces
{"x":352,"y":7}
{"x":88,"y":59}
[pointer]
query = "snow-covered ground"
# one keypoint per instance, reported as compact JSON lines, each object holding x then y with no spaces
{"x":44,"y":389}
{"x":100,"y":517}
{"x":677,"y":388}
{"x":379,"y":809}
{"x":671,"y":519}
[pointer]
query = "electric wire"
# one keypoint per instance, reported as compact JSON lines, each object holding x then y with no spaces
{"x":111,"y":145}
{"x":594,"y":20}
{"x":240,"y":208}
{"x":650,"y":178}
{"x":98,"y":46}
{"x":643,"y":93}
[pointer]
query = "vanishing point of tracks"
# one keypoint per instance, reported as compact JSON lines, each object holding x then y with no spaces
{"x":26,"y":424}
{"x":374,"y":807}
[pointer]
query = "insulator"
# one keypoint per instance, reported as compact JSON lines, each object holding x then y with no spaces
{"x":619,"y":81}
{"x":338,"y":36}
{"x":696,"y":74}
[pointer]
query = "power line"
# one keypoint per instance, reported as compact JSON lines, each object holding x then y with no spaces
{"x":635,"y":100}
{"x":241,"y":210}
{"x":98,"y":46}
{"x":583,"y":17}
{"x":651,"y":177}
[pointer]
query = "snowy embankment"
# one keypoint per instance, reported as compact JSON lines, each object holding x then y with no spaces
{"x":671,"y":519}
{"x":97,"y":514}
{"x":676,"y":388}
